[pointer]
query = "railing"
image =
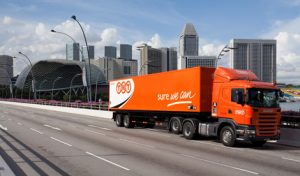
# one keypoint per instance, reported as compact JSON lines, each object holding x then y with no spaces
{"x":290,"y":119}
{"x":103,"y":105}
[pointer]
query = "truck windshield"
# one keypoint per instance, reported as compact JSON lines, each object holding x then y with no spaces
{"x":263,"y":98}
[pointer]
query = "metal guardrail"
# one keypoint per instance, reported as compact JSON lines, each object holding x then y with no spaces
{"x":290,"y":119}
{"x":103,"y":105}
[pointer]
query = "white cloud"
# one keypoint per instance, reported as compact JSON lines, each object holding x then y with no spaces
{"x":287,"y":34}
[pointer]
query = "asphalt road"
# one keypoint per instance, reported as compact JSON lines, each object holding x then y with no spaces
{"x":40,"y":142}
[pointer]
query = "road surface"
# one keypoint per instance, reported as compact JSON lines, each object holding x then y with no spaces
{"x":41,"y":142}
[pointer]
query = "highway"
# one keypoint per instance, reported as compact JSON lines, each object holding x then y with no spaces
{"x":40,"y":142}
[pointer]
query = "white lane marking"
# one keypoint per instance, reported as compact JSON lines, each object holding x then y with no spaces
{"x":36,"y":130}
{"x":100,"y":127}
{"x":61,"y":141}
{"x":54,"y":128}
{"x":290,"y":159}
{"x":137,"y":143}
{"x":3,"y":128}
{"x":6,"y":112}
{"x":9,"y":119}
{"x":157,"y":133}
{"x":95,"y":132}
{"x":154,"y":130}
{"x":220,"y":164}
{"x":110,"y":162}
{"x":19,"y":123}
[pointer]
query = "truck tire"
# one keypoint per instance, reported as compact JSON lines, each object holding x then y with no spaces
{"x":227,"y":136}
{"x":175,"y":125}
{"x":258,"y":143}
{"x":188,"y":130}
{"x":119,"y":120}
{"x":127,"y":121}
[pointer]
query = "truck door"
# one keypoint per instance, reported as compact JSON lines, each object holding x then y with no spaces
{"x":237,"y":105}
{"x":230,"y":104}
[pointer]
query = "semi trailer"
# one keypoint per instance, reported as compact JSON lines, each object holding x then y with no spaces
{"x":230,"y":104}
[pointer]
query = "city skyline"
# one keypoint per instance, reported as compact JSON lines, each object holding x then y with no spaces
{"x":25,"y":26}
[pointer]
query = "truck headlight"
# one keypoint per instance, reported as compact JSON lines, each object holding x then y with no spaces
{"x":249,"y":131}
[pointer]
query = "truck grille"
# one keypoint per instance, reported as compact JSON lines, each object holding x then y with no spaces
{"x":267,"y":124}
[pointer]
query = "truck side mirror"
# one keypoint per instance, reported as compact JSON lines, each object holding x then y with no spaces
{"x":281,"y":93}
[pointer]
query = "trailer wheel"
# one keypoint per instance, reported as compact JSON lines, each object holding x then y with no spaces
{"x":188,"y":130}
{"x":175,"y":125}
{"x":227,"y":136}
{"x":127,"y":122}
{"x":119,"y":120}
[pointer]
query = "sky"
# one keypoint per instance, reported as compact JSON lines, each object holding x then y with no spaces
{"x":25,"y":26}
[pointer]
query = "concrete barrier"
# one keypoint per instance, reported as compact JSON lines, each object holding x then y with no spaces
{"x":80,"y":111}
{"x":290,"y":136}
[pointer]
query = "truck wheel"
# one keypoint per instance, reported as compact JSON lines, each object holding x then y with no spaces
{"x":119,"y":120}
{"x":258,"y":143}
{"x":127,"y":122}
{"x":188,"y":130}
{"x":227,"y":136}
{"x":175,"y":125}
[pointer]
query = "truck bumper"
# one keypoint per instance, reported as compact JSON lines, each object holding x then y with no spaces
{"x":248,"y":133}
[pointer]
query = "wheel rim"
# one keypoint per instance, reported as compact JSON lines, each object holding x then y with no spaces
{"x":118,"y":120}
{"x":187,"y":130}
{"x":227,"y":136}
{"x":175,"y":125}
{"x":126,"y":120}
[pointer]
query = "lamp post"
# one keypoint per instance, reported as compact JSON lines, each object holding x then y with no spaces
{"x":88,"y":53}
{"x":78,"y":74}
{"x":45,"y":80}
{"x":58,"y":78}
{"x":74,"y":41}
{"x":143,"y":65}
{"x":81,"y":51}
{"x":33,"y":79}
{"x":223,"y":51}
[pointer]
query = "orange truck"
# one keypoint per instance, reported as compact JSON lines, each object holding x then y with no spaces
{"x":230,"y":104}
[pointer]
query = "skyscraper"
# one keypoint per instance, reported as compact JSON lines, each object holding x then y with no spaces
{"x":110,"y":51}
{"x":150,"y":60}
{"x":256,"y":55}
{"x":85,"y":53}
{"x":72,"y":51}
{"x":169,"y":59}
{"x":6,"y":69}
{"x":204,"y":61}
{"x":188,"y":41}
{"x":126,"y":51}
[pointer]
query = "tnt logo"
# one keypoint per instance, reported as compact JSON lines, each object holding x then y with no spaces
{"x":123,"y":87}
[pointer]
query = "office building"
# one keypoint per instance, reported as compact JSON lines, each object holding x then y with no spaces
{"x":110,"y":51}
{"x":169,"y":59}
{"x":72,"y":52}
{"x":6,"y":69}
{"x":116,"y":68}
{"x":256,"y":55}
{"x":85,"y":52}
{"x":203,"y":61}
{"x":150,"y":60}
{"x":126,"y":51}
{"x":188,"y":45}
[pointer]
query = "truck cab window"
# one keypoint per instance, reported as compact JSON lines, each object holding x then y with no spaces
{"x":237,"y":95}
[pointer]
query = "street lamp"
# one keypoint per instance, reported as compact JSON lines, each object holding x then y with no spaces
{"x":88,"y":53}
{"x":78,"y":74}
{"x":81,"y":51}
{"x":223,"y":51}
{"x":45,"y":80}
{"x":33,"y":79}
{"x":58,"y":78}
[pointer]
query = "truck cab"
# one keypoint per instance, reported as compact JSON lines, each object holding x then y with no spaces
{"x":246,"y":108}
